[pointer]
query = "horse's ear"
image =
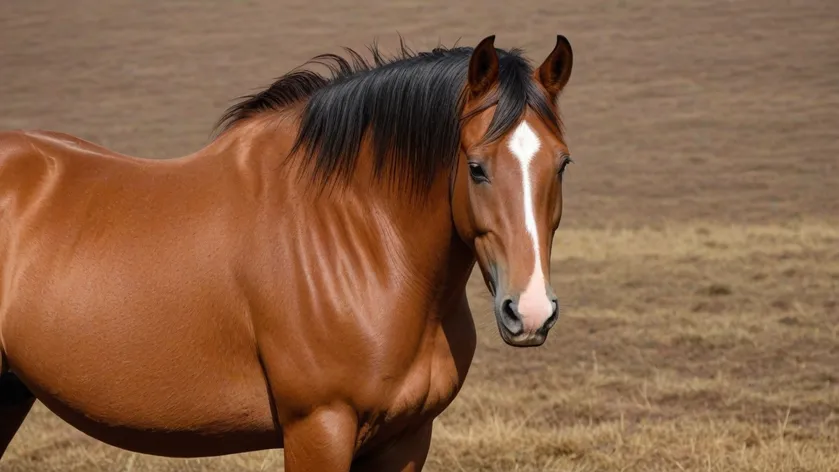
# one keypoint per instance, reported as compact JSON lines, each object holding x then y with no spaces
{"x":483,"y":67}
{"x":554,"y":73}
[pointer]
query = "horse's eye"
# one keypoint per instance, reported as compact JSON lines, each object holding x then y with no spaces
{"x":476,"y":171}
{"x":562,"y":166}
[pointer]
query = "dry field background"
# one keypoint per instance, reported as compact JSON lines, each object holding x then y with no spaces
{"x":698,"y":261}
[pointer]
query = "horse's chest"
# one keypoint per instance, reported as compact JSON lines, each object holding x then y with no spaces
{"x":429,"y":386}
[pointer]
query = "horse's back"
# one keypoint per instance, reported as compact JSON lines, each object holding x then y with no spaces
{"x":118,"y":309}
{"x":32,"y":162}
{"x":20,"y":160}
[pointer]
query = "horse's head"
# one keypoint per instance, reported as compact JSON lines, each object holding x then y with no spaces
{"x":508,"y":192}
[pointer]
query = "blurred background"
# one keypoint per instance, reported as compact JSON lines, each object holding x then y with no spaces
{"x":697,"y":262}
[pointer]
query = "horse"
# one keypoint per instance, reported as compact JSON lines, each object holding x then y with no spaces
{"x":300,"y":281}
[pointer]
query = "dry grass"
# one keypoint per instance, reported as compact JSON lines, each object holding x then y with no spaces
{"x":695,"y":347}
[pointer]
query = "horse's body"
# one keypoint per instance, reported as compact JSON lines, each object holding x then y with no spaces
{"x":211,"y":304}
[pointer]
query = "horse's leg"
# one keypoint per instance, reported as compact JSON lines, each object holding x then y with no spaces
{"x":324,"y":441}
{"x":406,"y":454}
{"x":15,"y":402}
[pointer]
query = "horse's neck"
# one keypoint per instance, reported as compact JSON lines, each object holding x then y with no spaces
{"x":418,"y":240}
{"x":395,"y":235}
{"x":437,"y":252}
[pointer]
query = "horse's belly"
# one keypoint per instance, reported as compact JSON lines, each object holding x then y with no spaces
{"x":144,"y":380}
{"x":203,"y":441}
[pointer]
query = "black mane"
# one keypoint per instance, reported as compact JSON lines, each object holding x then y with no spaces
{"x":410,"y":106}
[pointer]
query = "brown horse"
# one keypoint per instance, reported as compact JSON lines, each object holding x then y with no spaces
{"x":299,"y":283}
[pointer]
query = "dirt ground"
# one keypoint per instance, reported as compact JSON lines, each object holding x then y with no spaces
{"x":698,"y":261}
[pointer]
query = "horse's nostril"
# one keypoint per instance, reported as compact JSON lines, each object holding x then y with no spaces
{"x":554,"y":315}
{"x":510,"y":318}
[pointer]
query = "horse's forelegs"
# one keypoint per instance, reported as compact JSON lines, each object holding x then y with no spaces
{"x":15,"y":402}
{"x":324,"y":441}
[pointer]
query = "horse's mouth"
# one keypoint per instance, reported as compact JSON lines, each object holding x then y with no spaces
{"x":521,"y":340}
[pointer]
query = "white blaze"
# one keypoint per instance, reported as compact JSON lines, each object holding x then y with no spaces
{"x":534,"y":305}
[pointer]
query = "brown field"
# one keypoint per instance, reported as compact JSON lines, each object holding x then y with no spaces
{"x":698,"y":261}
